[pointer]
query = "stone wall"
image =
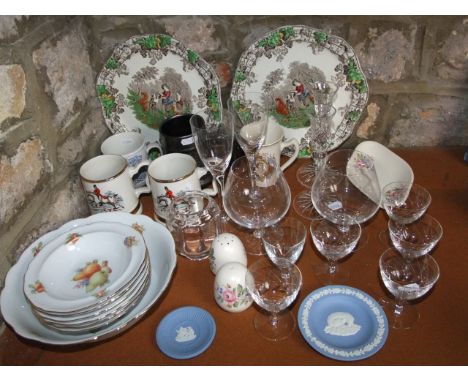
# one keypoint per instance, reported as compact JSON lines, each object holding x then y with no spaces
{"x":51,"y":121}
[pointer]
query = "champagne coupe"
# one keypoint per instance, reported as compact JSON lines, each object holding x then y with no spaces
{"x":214,"y":140}
{"x":271,"y":203}
{"x":284,"y":240}
{"x":404,"y":203}
{"x":406,"y":281}
{"x":322,"y":125}
{"x":333,"y":243}
{"x":273,"y":292}
{"x":417,"y":238}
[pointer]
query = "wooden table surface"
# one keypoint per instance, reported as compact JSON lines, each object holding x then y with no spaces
{"x":439,"y":338}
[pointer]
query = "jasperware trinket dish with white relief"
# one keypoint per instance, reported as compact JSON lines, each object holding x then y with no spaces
{"x":342,"y":323}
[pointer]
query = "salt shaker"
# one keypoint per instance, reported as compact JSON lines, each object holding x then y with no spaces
{"x":229,"y":288}
{"x":226,"y":248}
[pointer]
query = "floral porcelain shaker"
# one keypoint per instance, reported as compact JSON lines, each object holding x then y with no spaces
{"x":226,"y":248}
{"x":229,"y":288}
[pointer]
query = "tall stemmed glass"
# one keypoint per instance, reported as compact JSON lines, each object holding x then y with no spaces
{"x":273,"y":292}
{"x":213,"y":140}
{"x":322,"y":127}
{"x":406,"y":281}
{"x":319,"y":136}
{"x":250,"y":121}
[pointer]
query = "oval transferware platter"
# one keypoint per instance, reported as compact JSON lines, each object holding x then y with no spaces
{"x":281,"y":65}
{"x":151,"y":78}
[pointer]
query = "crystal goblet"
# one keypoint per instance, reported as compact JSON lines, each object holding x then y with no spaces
{"x":404,"y":202}
{"x":284,"y":240}
{"x":417,"y":238}
{"x":271,"y":203}
{"x":333,"y":243}
{"x":406,"y":281}
{"x":272,"y":291}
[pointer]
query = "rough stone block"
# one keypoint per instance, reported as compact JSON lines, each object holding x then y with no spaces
{"x":68,"y":202}
{"x":76,"y":147}
{"x":428,"y":120}
{"x":195,"y":32}
{"x":452,"y":56}
{"x":70,"y":78}
{"x":19,"y":176}
{"x":8,"y":26}
{"x":13,"y":94}
{"x":387,"y":51}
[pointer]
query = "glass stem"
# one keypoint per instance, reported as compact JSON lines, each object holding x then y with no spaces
{"x":252,"y":165}
{"x":318,"y":157}
{"x":332,"y":267}
{"x":220,"y":180}
{"x":399,"y":306}
{"x":274,"y":319}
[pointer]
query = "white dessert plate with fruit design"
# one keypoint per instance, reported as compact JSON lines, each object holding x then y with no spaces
{"x":18,"y":313}
{"x":82,"y":266}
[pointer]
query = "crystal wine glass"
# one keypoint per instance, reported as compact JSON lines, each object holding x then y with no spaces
{"x":333,"y":243}
{"x":346,"y":190}
{"x":404,"y":202}
{"x":214,"y":140}
{"x":267,"y":208}
{"x":417,"y":238}
{"x":406,"y":281}
{"x":273,"y":292}
{"x":284,"y":240}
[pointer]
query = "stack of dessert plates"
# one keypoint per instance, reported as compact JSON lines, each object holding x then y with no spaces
{"x":88,"y":280}
{"x":87,"y":277}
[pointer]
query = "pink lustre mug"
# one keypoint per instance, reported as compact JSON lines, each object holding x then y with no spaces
{"x":107,"y":181}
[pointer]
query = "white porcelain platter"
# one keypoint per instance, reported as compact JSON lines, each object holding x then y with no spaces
{"x":281,"y":65}
{"x":151,"y":78}
{"x":78,"y":268}
{"x":161,"y":249}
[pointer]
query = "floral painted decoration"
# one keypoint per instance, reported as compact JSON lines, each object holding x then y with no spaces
{"x":232,"y":296}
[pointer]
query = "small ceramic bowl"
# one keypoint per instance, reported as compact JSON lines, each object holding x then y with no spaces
{"x":229,"y":288}
{"x":226,"y":248}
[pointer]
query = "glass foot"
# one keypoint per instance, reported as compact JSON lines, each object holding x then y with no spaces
{"x":399,"y":318}
{"x":322,"y":271}
{"x":306,"y":174}
{"x":275,"y":328}
{"x":304,"y":207}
